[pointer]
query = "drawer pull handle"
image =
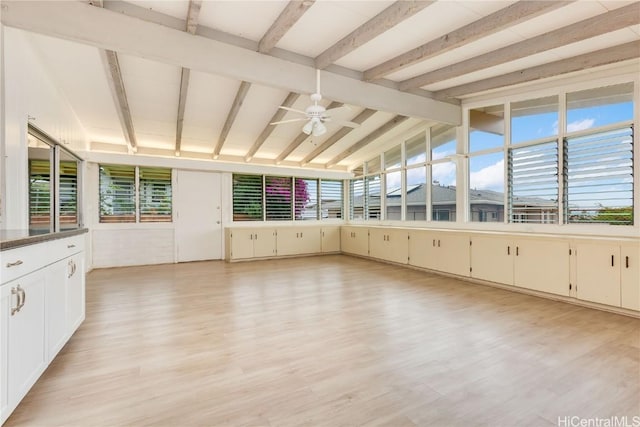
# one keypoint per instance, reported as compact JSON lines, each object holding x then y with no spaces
{"x":71,"y":246}
{"x":15,"y":309}
{"x":14,"y":264}
{"x":612,"y":263}
{"x":626,"y":261}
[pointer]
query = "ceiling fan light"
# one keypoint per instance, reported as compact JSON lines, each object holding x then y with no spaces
{"x":308,"y":127}
{"x":319,"y":129}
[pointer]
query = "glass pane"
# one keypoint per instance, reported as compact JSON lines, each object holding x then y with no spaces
{"x":416,"y":194}
{"x":117,"y":193}
{"x":247,"y":197}
{"x":534,"y":119}
{"x":68,"y":192}
{"x":533,"y":183}
{"x":359,"y":171}
{"x":306,"y":199}
{"x":356,"y":199}
{"x":443,"y":192}
{"x":599,"y":175}
{"x":599,"y":107}
{"x":486,"y":128}
{"x":392,"y":158}
{"x":486,"y":187}
{"x":40,"y":187}
{"x":416,"y":150}
{"x":443,"y":141}
{"x":155,"y":195}
{"x":278,"y":198}
{"x":394,"y":195}
{"x":373,"y":166}
{"x":373,"y":197}
{"x":331,"y":198}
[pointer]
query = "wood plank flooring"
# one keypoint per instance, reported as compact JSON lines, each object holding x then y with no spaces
{"x":330,"y":341}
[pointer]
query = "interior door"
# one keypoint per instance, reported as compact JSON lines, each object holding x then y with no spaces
{"x":198,"y":227}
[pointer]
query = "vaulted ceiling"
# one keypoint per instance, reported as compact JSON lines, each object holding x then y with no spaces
{"x":204,"y":79}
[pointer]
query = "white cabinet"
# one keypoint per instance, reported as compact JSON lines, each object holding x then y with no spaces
{"x":355,"y":240}
{"x":389,"y":244}
{"x":298,"y":240}
{"x":542,"y":265}
{"x":608,"y":273}
{"x":247,"y":243}
{"x":75,"y":292}
{"x":330,"y":239}
{"x":441,"y":251}
{"x":491,"y":259}
{"x":23,"y":342}
{"x":56,"y":303}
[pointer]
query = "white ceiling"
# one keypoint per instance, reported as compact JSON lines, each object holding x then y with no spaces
{"x":153,"y":88}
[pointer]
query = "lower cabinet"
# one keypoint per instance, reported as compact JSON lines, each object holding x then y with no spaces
{"x":491,"y":259}
{"x":75,"y":291}
{"x":298,"y":241}
{"x":630,"y":276}
{"x":389,"y":244}
{"x":247,"y":243}
{"x":330,"y":239}
{"x":355,"y":240}
{"x":542,"y":265}
{"x":447,"y":252}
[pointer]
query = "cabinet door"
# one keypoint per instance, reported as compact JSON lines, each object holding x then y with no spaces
{"x":56,"y":306}
{"x":397,"y":246}
{"x":309,"y":240}
{"x":491,"y":259}
{"x":288,"y":241}
{"x":419,"y":248}
{"x":347,"y":241}
{"x":361,"y":241}
{"x":25,"y":334}
{"x":453,"y":253}
{"x":75,"y":293}
{"x":330,"y":239}
{"x":630,"y":277}
{"x":377,"y":243}
{"x":542,"y":265}
{"x":242,"y":243}
{"x":598,"y":272}
{"x":264,"y":243}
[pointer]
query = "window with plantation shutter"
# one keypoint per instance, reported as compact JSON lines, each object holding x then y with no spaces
{"x":599,"y":177}
{"x":372,"y":201}
{"x":278,"y":198}
{"x":68,"y":194}
{"x":117,"y":193}
{"x":306,"y":199}
{"x":155,"y":194}
{"x":247,"y":198}
{"x":356,"y":198}
{"x":40,"y":201}
{"x":533,"y":183}
{"x":331,"y":199}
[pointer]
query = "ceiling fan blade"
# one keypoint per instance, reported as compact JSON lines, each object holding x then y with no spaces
{"x":292,"y":109}
{"x":301,"y":119}
{"x":347,"y":123}
{"x":340,"y":108}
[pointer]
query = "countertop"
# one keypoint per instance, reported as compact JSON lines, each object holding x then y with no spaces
{"x":10,"y":239}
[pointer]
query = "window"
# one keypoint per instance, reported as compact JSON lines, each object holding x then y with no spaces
{"x":393,"y":183}
{"x":416,"y":194}
{"x":599,"y":177}
{"x":117,"y":193}
{"x":306,"y":198}
{"x":486,"y":128}
{"x":392,"y":158}
{"x":486,"y":187}
{"x":356,"y":199}
{"x":533,"y":183}
{"x":68,"y":192}
{"x":599,"y":107}
{"x":443,"y":141}
{"x":247,"y":198}
{"x":155,"y":195}
{"x":373,"y":166}
{"x":40,"y":190}
{"x":443,"y":191}
{"x":331,"y":200}
{"x":277,"y":197}
{"x":416,"y":150}
{"x":534,"y":119}
{"x":372,"y":201}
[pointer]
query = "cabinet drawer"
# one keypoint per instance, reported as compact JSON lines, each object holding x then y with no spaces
{"x":66,"y":247}
{"x":17,"y":262}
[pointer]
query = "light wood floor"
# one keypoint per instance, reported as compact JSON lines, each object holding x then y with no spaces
{"x":330,"y":341}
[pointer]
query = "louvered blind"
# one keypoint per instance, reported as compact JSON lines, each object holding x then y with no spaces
{"x":278,"y":200}
{"x":599,"y":177}
{"x":331,"y":199}
{"x":40,"y":202}
{"x":117,"y":193}
{"x":306,"y":198}
{"x":68,"y":194}
{"x":247,"y":198}
{"x":356,"y":199}
{"x":373,"y":197}
{"x":533,"y":183}
{"x":155,"y":194}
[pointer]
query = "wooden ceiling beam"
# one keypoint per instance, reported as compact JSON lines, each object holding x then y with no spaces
{"x":491,"y":24}
{"x":269,"y":128}
{"x":601,"y":24}
{"x":231,"y":117}
{"x":388,"y":18}
{"x":300,"y":138}
{"x":292,"y":12}
{"x":397,"y":120}
{"x":192,"y":26}
{"x":606,"y":56}
{"x":341,"y":133}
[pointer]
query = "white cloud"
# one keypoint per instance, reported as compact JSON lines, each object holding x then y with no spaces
{"x":580,"y":125}
{"x":442,"y":154}
{"x":444,"y":173}
{"x":489,"y":178}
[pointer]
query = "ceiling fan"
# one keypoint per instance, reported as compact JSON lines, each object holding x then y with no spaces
{"x":315,"y":114}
